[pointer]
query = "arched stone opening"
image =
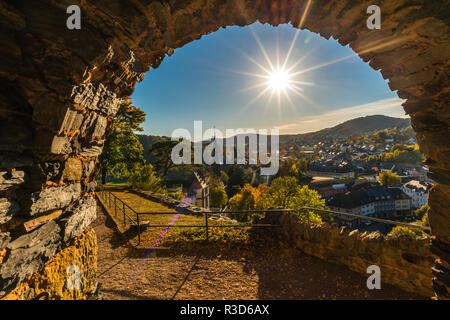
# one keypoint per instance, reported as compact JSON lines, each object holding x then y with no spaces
{"x":61,"y":87}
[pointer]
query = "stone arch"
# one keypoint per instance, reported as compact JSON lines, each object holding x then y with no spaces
{"x":60,"y":88}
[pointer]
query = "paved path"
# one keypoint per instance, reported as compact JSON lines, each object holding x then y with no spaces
{"x":257,"y":273}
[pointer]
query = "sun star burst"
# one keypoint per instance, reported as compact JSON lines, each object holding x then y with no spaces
{"x":282,"y":79}
{"x":279,"y":80}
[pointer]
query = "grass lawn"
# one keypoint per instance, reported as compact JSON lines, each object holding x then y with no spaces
{"x":173,"y":236}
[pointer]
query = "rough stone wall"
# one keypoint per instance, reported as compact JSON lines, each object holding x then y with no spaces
{"x":59,"y":89}
{"x":404,"y":262}
{"x":52,"y":277}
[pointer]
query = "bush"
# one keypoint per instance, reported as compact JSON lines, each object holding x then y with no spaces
{"x":250,"y":198}
{"x":425,"y":221}
{"x":285,"y":193}
{"x":422,"y":211}
{"x":311,"y":216}
{"x":145,"y":178}
{"x":401,"y":231}
{"x":388,"y":178}
{"x":176,"y":195}
{"x":217,"y":196}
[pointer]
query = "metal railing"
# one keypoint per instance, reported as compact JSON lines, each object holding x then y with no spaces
{"x":385,"y":221}
{"x":207,"y":215}
{"x":115,"y":203}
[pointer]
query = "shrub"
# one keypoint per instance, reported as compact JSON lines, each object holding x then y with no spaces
{"x":176,"y":195}
{"x":145,"y":178}
{"x":217,"y":196}
{"x":401,"y":231}
{"x":284,"y":192}
{"x":388,"y":178}
{"x":250,"y":198}
{"x":425,"y":221}
{"x":422,"y":211}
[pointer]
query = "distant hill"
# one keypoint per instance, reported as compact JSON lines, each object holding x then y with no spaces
{"x":354,"y":127}
{"x":358,"y":126}
{"x":147,"y":141}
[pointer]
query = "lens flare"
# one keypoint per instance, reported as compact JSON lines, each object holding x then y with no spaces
{"x":279,"y":80}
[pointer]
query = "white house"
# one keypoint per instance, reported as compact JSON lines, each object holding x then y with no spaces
{"x":417,"y":191}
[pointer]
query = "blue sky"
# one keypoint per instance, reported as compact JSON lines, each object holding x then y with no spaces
{"x":213,"y":80}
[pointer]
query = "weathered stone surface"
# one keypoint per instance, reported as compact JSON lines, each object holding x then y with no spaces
{"x":46,"y":68}
{"x":88,"y":168}
{"x":92,"y":149}
{"x":27,"y":254}
{"x":81,"y":252}
{"x":44,"y":171}
{"x":73,"y":169}
{"x":404,"y":262}
{"x":60,"y":145}
{"x":96,"y":97}
{"x":14,"y":137}
{"x":36,"y":222}
{"x":49,"y":112}
{"x":50,"y":170}
{"x":54,"y":198}
{"x":46,"y":142}
{"x":90,"y":186}
{"x":8,"y":208}
{"x":4,"y":240}
{"x":10,"y":162}
{"x":442,"y":275}
{"x":11,"y":180}
{"x":94,"y":125}
{"x":78,"y":217}
{"x":72,"y":121}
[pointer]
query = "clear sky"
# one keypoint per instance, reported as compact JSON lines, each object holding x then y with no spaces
{"x":216,"y":79}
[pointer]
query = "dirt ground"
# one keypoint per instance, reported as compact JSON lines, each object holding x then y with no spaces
{"x":264,"y":272}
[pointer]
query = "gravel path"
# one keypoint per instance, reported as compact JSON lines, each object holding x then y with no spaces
{"x":211,"y":273}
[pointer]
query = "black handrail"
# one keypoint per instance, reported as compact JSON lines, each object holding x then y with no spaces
{"x":206,"y":213}
{"x":107,"y":198}
{"x":345,"y":214}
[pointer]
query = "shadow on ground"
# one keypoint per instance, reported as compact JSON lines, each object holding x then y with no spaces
{"x":214,"y":272}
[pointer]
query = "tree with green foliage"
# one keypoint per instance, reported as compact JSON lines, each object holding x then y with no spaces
{"x":283,"y":190}
{"x":122,"y":149}
{"x":250,"y":198}
{"x":217,"y":196}
{"x":388,"y":178}
{"x":145,"y":178}
{"x":409,"y":232}
{"x":224,"y":177}
{"x":422,"y":211}
{"x":306,"y":197}
{"x":236,"y":180}
{"x":285,"y":193}
{"x":161,"y":151}
{"x":293,"y":168}
{"x":400,"y":154}
{"x":425,"y":222}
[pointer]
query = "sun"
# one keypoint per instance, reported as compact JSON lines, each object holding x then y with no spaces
{"x":279,"y":80}
{"x":282,"y":78}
